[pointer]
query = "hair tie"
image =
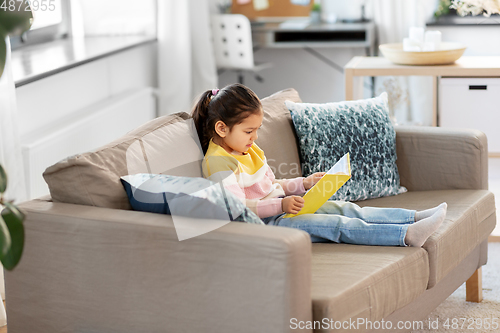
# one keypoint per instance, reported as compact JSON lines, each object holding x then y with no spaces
{"x":214,"y":92}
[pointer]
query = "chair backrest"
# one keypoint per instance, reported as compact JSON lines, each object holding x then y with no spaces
{"x":232,"y":41}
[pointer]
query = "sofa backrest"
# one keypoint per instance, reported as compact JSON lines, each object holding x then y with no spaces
{"x":277,"y":136}
{"x":165,"y":145}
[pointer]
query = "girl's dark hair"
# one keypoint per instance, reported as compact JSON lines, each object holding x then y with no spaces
{"x":231,"y":104}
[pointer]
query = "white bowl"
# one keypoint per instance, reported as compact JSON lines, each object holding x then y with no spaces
{"x":448,"y":53}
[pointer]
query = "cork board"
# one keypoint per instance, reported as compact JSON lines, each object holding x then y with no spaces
{"x":276,"y":8}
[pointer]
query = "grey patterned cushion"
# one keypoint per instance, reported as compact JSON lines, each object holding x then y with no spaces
{"x":194,"y":197}
{"x":363,"y":128}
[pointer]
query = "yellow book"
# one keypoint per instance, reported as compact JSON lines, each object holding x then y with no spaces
{"x":333,"y":179}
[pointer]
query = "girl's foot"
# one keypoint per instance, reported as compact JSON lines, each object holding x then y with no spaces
{"x":429,"y":212}
{"x":418,"y":232}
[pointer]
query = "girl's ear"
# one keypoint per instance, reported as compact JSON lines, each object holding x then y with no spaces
{"x":221,"y":129}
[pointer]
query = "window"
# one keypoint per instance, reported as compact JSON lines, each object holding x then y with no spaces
{"x":46,"y":14}
{"x":50,"y":22}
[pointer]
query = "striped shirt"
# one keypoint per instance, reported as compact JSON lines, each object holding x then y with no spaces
{"x":250,"y":178}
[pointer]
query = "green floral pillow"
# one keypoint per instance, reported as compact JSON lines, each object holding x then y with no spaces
{"x":328,"y":131}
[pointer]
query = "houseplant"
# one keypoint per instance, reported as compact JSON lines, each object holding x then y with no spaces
{"x":316,"y":13}
{"x":14,"y":20}
{"x":11,"y":228}
{"x":476,"y":7}
{"x":469,"y":8}
{"x":443,"y":8}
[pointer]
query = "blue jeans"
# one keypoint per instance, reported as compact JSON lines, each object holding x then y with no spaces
{"x":346,"y":222}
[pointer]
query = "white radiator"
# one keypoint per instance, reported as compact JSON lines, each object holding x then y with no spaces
{"x":83,"y":131}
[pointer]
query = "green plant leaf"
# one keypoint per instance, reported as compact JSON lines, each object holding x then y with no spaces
{"x":16,"y":19}
{"x":5,"y":241}
{"x":3,"y":51}
{"x":3,"y":179}
{"x":13,"y":21}
{"x":13,"y":218}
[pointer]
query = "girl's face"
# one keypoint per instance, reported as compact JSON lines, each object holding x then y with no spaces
{"x":241,"y":137}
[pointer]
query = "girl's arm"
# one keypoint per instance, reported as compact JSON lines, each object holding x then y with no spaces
{"x":262,"y":208}
{"x":266,"y":207}
{"x":299,"y":185}
{"x":293,"y":186}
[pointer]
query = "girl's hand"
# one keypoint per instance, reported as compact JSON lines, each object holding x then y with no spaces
{"x":312,"y":179}
{"x":292,"y":204}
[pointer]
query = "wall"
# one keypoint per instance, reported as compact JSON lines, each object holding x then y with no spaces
{"x":481,"y":40}
{"x":80,"y":109}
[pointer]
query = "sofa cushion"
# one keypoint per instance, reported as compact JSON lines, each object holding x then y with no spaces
{"x":469,"y":220}
{"x":277,"y":137}
{"x":365,"y":282}
{"x":165,"y":145}
{"x":361,"y":128}
{"x":193,"y":197}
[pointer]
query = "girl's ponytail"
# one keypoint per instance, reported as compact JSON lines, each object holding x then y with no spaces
{"x":200,"y":117}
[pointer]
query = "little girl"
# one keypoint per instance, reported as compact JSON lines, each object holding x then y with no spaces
{"x":227,"y":121}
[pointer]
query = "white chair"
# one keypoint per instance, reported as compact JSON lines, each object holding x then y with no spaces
{"x":233,"y":45}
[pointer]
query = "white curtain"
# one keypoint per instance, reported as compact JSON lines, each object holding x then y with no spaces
{"x":10,"y":149}
{"x":186,"y":62}
{"x":410,"y":98}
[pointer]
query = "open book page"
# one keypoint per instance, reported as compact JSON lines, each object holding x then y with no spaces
{"x":334,"y":178}
{"x":342,"y":167}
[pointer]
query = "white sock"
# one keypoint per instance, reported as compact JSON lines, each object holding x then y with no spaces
{"x":418,"y":232}
{"x":429,"y":212}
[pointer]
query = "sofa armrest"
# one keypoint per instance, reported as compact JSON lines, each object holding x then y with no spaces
{"x":437,"y":158}
{"x":107,"y":270}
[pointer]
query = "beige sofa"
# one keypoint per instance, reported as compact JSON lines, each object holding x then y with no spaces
{"x":91,"y":264}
